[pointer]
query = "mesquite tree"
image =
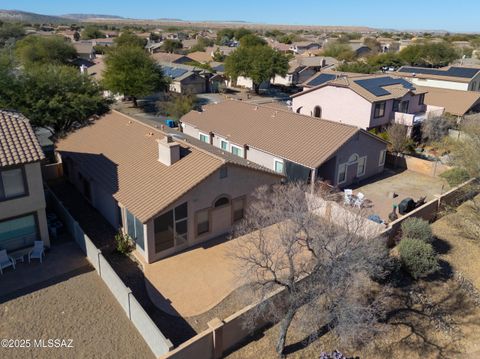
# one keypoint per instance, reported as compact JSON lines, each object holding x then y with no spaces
{"x":322,"y":264}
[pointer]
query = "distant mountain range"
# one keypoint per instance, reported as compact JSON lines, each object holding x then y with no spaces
{"x":90,"y":16}
{"x":23,"y":16}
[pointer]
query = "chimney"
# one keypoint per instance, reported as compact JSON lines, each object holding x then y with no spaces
{"x":168,"y":150}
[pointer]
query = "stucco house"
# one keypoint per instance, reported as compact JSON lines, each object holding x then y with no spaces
{"x":297,"y":146}
{"x":450,"y":77}
{"x":366,"y":101}
{"x":166,"y":192}
{"x":301,"y":68}
{"x":22,"y":198}
{"x":185,"y":79}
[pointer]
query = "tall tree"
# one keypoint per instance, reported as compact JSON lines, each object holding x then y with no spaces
{"x":252,"y":40}
{"x":92,"y":32}
{"x":132,"y":72}
{"x":260,"y":63}
{"x":323,"y":269}
{"x":57,"y":96}
{"x":127,"y":37}
{"x":340,"y":51}
{"x":429,"y":54}
{"x":171,"y":45}
{"x":44,"y":50}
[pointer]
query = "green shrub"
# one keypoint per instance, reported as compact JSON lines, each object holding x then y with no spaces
{"x":418,"y":258}
{"x":123,"y":243}
{"x":455,"y":176}
{"x":417,"y":228}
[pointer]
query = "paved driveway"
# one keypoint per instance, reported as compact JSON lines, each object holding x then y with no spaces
{"x":194,"y":281}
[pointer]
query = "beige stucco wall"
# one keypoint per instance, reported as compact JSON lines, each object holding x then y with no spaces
{"x":463,"y":86}
{"x":240,"y":182}
{"x":33,"y":203}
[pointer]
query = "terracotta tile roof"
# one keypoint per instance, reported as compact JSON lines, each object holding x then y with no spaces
{"x":456,"y":102}
{"x":121,"y":153}
{"x":297,"y":138}
{"x":18,"y":143}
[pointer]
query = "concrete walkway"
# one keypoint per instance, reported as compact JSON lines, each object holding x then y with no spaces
{"x":194,"y":281}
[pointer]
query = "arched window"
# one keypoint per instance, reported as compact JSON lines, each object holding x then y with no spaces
{"x":299,"y":109}
{"x":353,"y":158}
{"x":317,"y":111}
{"x":222,"y":201}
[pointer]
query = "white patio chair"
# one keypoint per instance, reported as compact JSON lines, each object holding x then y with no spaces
{"x":6,"y":261}
{"x":348,"y":194}
{"x":359,"y":200}
{"x":37,"y":252}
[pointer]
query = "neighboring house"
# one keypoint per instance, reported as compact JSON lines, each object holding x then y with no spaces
{"x":200,"y":57}
{"x":103,"y":42}
{"x":166,"y":192}
{"x":303,"y":46}
{"x":455,"y":102}
{"x":22,"y":199}
{"x":297,"y":146}
{"x":300,"y":70}
{"x":185,"y":79}
{"x":96,"y":70}
{"x":153,"y":47}
{"x":246,"y":82}
{"x":360,"y":49}
{"x":172,"y":58}
{"x":84,"y":50}
{"x":451,"y":77}
{"x":366,"y":101}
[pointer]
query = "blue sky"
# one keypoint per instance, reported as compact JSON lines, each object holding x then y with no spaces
{"x":460,"y":15}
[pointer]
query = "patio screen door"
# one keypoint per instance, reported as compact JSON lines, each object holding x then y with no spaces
{"x":18,"y":232}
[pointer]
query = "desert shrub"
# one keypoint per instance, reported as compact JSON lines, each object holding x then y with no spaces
{"x":455,"y":176}
{"x":418,"y":258}
{"x":417,"y":228}
{"x":436,"y":128}
{"x":123,"y":243}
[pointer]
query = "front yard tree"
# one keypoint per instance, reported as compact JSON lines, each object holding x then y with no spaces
{"x":132,"y":72}
{"x":44,"y":50}
{"x":323,"y":269}
{"x":397,"y":136}
{"x":171,"y":46}
{"x":260,"y":63}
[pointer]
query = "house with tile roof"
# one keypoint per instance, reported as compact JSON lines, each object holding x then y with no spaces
{"x":455,"y":102}
{"x":297,"y":146}
{"x":163,"y":189}
{"x":451,"y":77}
{"x":22,"y":199}
{"x":366,"y":101}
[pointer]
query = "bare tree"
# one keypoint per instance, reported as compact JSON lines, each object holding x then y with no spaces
{"x":397,"y":136}
{"x":324,"y":267}
{"x":435,"y":129}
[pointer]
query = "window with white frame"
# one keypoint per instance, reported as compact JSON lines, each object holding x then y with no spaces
{"x":278,"y":166}
{"x":383,"y":156}
{"x":204,"y":138}
{"x":238,"y":151}
{"x":361,"y":166}
{"x":224,"y":145}
{"x":342,"y":173}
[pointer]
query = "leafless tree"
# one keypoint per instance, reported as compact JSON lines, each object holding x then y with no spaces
{"x":435,"y":129}
{"x":323,"y":266}
{"x":397,"y":136}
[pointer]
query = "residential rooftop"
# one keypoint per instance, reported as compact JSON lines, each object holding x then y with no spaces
{"x":455,"y":102}
{"x":121,"y":154}
{"x":371,"y":87}
{"x":18,"y":143}
{"x":449,"y":73}
{"x":297,"y":138}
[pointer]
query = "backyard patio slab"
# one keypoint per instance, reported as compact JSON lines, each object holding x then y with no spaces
{"x":194,"y":281}
{"x":404,"y":184}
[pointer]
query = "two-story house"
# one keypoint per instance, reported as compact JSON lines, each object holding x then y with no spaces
{"x":366,"y":101}
{"x":168,"y":193}
{"x":297,"y":146}
{"x":451,"y":77}
{"x":22,"y":198}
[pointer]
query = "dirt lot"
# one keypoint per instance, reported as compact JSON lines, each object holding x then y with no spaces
{"x":81,"y":309}
{"x":434,"y":318}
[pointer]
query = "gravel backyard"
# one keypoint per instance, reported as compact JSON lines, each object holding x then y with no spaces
{"x":80,"y":308}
